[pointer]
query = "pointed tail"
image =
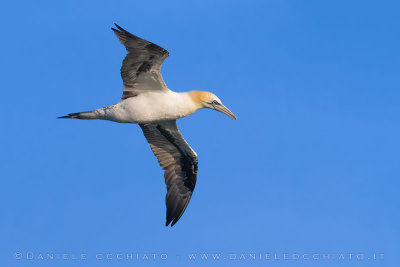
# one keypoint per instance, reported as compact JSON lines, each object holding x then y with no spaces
{"x":86,"y":115}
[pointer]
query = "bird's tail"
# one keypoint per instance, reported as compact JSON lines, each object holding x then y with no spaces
{"x":86,"y":115}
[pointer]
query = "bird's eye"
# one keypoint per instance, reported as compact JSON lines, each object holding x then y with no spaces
{"x":215,"y":102}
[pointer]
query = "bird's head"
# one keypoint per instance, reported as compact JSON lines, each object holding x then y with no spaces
{"x":209,"y":100}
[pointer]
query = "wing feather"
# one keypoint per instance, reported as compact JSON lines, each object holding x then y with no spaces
{"x":178,"y":160}
{"x":141,"y":68}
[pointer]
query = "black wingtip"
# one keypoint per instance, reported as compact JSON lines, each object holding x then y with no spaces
{"x":171,"y":221}
{"x":118,"y":27}
{"x":118,"y":30}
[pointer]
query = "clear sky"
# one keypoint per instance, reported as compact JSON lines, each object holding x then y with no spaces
{"x":310,"y":166}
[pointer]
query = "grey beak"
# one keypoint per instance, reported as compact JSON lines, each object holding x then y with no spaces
{"x":225,"y":110}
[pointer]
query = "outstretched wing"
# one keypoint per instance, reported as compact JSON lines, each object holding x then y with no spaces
{"x":178,"y":160}
{"x":141,"y":68}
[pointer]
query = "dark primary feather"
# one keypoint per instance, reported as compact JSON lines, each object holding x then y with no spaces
{"x":178,"y":160}
{"x":141,"y":68}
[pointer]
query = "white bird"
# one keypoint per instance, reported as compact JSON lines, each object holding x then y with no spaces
{"x":146,"y":100}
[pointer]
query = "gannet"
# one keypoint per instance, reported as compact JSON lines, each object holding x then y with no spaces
{"x":147,"y":101}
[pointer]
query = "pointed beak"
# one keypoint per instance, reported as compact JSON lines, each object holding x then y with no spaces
{"x":225,"y":110}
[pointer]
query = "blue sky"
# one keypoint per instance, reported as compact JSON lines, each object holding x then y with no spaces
{"x":310,"y":166}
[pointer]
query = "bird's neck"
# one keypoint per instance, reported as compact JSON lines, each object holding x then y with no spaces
{"x":184,"y":103}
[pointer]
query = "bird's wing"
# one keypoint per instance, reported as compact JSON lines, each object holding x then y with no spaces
{"x":178,"y":160}
{"x":141,"y":67}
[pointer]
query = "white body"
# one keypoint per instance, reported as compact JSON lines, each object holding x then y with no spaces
{"x":148,"y":107}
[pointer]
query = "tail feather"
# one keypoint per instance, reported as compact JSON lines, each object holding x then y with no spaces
{"x":87,"y":115}
{"x":71,"y":116}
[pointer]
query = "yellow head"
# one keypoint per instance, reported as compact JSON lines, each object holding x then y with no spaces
{"x":208,"y":100}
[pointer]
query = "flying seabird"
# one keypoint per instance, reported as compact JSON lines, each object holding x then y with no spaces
{"x":147,"y":101}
